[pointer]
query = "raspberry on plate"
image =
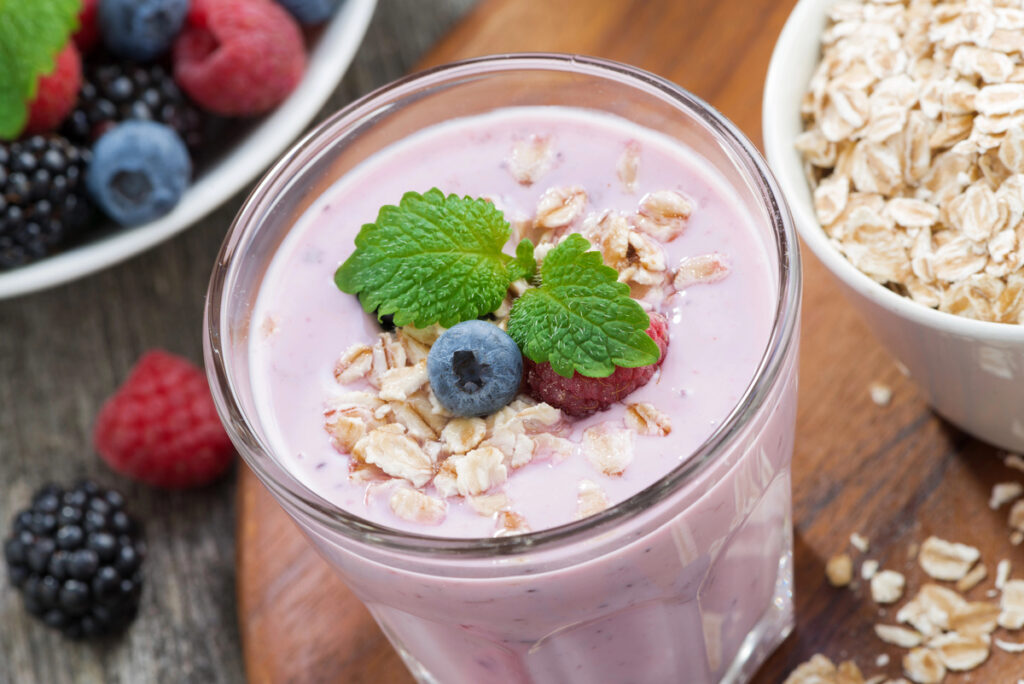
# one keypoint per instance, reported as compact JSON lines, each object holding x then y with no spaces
{"x":161,"y":426}
{"x":139,"y":171}
{"x":57,"y":92}
{"x":75,"y":556}
{"x":579,"y":395}
{"x":237,"y":57}
{"x":88,"y":33}
{"x":141,"y":29}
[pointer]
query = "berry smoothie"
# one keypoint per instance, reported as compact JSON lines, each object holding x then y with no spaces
{"x":718,"y":331}
{"x":348,"y":408}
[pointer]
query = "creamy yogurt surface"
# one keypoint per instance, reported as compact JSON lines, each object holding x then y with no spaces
{"x":718,"y":331}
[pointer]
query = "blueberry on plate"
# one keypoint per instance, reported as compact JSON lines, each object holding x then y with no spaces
{"x":475,"y":368}
{"x":141,"y":29}
{"x":311,"y":11}
{"x":76,"y":558}
{"x":139,"y":171}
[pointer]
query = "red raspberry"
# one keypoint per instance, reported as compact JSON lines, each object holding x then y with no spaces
{"x":57,"y":93}
{"x":239,"y":57}
{"x":161,"y":426}
{"x":579,"y":395}
{"x":88,"y":33}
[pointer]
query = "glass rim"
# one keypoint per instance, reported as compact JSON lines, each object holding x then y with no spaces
{"x":294,"y":492}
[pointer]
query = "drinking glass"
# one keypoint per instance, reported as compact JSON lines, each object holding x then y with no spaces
{"x":689,"y":580}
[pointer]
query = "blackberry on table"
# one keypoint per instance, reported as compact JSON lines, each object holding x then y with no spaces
{"x":43,"y":199}
{"x":115,"y":91}
{"x":76,"y":558}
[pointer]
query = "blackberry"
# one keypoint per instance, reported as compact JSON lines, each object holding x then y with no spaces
{"x":114,"y":91}
{"x":43,"y":198}
{"x":76,"y":557}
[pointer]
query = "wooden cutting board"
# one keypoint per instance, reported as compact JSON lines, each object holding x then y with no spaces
{"x":894,"y":474}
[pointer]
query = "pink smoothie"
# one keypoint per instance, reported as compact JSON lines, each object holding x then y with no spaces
{"x":674,"y":604}
{"x":717,"y":331}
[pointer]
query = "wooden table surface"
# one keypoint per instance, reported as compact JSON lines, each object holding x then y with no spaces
{"x":894,"y":474}
{"x":63,"y":351}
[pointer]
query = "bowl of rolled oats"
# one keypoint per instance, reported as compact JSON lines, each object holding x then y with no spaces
{"x":896,"y":128}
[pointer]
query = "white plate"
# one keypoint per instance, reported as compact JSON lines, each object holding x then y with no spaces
{"x":329,"y":57}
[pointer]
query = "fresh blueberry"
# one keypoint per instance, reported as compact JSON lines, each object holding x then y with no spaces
{"x":139,"y":171}
{"x":474,"y":368}
{"x":141,"y":29}
{"x":311,"y":11}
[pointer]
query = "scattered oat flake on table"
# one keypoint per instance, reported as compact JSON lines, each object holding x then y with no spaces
{"x":868,"y":569}
{"x":1004,"y":492}
{"x":945,"y":560}
{"x":1010,"y":646}
{"x":1016,"y":518}
{"x":976,"y":617}
{"x":972,"y":579}
{"x":821,"y":670}
{"x":1002,"y":573}
{"x":899,"y":636}
{"x":816,"y":670}
{"x":1014,"y":461}
{"x":924,"y":666}
{"x":887,"y":586}
{"x":1012,"y":605}
{"x":839,"y":570}
{"x":859,"y":542}
{"x":959,"y":652}
{"x":881,"y":393}
{"x":930,"y":610}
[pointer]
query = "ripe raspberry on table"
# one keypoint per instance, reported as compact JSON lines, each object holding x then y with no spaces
{"x":579,"y":395}
{"x":161,"y":426}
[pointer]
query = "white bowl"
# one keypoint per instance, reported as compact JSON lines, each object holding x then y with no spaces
{"x":329,"y":57}
{"x":972,"y":372}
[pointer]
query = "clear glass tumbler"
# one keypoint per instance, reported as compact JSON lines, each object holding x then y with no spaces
{"x":689,"y":580}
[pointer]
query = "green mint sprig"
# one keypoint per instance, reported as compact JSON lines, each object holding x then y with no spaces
{"x":434,"y":259}
{"x":32,"y":33}
{"x":439,"y":259}
{"x":581,"y":318}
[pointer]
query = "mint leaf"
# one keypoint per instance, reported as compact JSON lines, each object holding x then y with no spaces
{"x":525,"y":265}
{"x":434,"y":259}
{"x":581,"y":318}
{"x":32,"y":32}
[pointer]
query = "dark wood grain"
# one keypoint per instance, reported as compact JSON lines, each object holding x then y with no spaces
{"x":63,"y":351}
{"x":894,"y":474}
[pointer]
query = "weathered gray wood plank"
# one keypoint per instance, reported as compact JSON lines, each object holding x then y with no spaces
{"x":63,"y":351}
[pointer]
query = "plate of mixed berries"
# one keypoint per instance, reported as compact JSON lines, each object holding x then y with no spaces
{"x":122,"y":122}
